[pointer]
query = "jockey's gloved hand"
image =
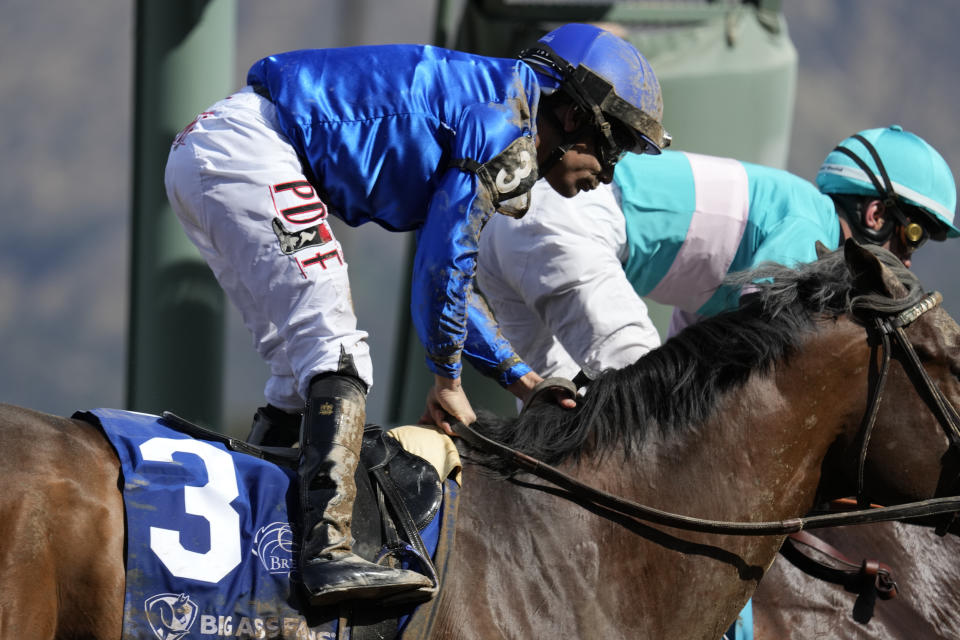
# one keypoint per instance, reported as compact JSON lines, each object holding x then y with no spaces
{"x":557,"y":390}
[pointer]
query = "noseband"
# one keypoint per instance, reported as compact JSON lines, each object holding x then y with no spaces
{"x":885,"y":325}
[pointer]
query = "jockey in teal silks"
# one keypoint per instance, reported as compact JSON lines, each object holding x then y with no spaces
{"x":413,"y":138}
{"x":565,"y":283}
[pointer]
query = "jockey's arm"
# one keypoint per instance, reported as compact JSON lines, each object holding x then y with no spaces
{"x":443,"y":267}
{"x":564,"y":260}
{"x":491,"y":353}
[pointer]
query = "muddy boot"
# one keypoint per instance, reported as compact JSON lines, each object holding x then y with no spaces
{"x":273,"y":427}
{"x":330,"y":441}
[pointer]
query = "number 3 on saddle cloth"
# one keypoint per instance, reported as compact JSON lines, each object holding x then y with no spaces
{"x":209,"y":541}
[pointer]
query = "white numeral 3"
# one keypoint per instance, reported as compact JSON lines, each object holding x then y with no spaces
{"x":211,"y":502}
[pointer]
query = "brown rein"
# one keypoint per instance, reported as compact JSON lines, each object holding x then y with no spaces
{"x":946,"y":416}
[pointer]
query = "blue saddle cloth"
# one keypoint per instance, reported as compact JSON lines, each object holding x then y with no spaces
{"x":209,"y":541}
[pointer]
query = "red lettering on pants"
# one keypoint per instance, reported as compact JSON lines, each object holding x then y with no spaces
{"x":297,"y":202}
{"x":321,"y":259}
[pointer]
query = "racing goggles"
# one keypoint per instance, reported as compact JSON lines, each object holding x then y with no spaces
{"x":615,"y":140}
{"x":622,"y":127}
{"x":913,"y":235}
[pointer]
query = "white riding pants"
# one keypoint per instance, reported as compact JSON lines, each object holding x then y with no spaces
{"x":239,"y":190}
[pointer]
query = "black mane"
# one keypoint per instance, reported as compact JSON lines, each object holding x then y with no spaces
{"x":677,"y":386}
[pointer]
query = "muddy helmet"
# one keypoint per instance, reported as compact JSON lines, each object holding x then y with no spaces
{"x":608,"y":79}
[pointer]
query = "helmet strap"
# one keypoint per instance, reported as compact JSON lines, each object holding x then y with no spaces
{"x":572,"y":85}
{"x":891,"y":200}
{"x":567,"y":139}
{"x":850,"y":208}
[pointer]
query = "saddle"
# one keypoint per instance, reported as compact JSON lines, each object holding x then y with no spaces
{"x":398,"y":494}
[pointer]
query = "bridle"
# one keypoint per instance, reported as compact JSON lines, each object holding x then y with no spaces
{"x":886,"y":328}
{"x":885,"y":324}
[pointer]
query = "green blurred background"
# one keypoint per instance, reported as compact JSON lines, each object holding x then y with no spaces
{"x":67,"y":87}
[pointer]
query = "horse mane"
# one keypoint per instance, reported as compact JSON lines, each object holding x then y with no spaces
{"x":675,"y":388}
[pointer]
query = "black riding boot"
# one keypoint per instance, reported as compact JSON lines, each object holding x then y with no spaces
{"x":330,"y":440}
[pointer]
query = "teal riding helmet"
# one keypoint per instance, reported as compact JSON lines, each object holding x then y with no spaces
{"x":917,"y":173}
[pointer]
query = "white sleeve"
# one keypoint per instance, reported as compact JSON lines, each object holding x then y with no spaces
{"x":561,"y":266}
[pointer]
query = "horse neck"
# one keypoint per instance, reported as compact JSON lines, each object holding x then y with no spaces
{"x":760,"y":453}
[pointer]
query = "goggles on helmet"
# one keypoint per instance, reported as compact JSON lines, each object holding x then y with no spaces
{"x":913,"y":235}
{"x":616,"y":141}
{"x":915,"y":227}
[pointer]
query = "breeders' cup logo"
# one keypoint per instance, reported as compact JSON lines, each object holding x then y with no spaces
{"x":170,"y":615}
{"x":273,"y":544}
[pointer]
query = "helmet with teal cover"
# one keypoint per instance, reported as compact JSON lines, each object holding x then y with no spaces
{"x":895,"y":164}
{"x":608,"y":79}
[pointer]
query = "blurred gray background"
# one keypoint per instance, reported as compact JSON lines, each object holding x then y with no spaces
{"x":66,"y":104}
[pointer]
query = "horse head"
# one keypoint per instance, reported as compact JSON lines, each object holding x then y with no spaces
{"x":911,"y":451}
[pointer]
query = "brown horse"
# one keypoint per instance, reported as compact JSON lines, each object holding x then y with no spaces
{"x":792,"y":604}
{"x":749,"y":416}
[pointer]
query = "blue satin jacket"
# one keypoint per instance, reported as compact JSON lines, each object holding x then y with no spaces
{"x":416,"y":138}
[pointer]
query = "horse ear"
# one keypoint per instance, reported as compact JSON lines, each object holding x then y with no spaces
{"x":869,"y":274}
{"x":821,"y":249}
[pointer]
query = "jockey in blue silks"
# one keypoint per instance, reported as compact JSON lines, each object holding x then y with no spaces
{"x":565,"y":283}
{"x":413,"y":138}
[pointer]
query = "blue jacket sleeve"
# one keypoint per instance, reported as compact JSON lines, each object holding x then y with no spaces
{"x":486,"y":348}
{"x":486,"y":136}
{"x":444,"y":313}
{"x":443,"y":269}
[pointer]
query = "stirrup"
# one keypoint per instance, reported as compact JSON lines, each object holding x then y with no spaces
{"x":411,"y":559}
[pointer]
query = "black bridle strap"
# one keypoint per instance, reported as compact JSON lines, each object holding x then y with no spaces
{"x":945,"y":412}
{"x":946,"y":415}
{"x":580,"y":490}
{"x":870,"y":415}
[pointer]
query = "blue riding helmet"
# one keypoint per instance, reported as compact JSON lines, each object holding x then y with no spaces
{"x":607,"y":78}
{"x":909,"y":169}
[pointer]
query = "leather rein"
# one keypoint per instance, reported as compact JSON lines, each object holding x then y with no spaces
{"x":885,"y":328}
